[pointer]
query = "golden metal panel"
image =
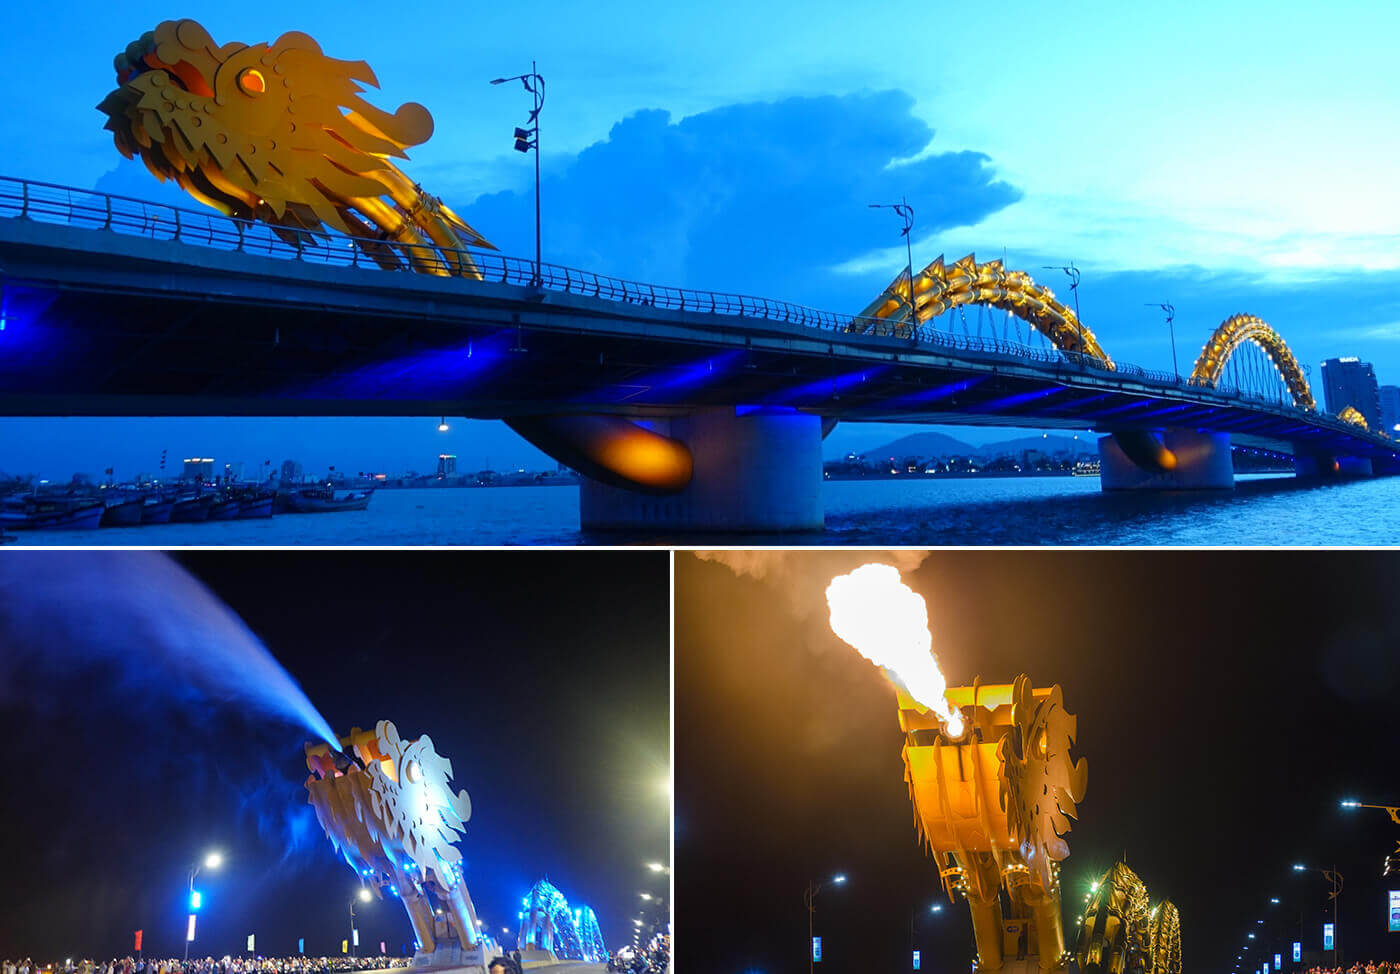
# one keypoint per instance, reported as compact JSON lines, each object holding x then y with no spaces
{"x":279,"y":133}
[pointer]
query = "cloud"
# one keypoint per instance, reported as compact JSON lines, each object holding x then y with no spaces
{"x":764,"y":197}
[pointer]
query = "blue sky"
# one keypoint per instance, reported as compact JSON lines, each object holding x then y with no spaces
{"x":1227,"y":160}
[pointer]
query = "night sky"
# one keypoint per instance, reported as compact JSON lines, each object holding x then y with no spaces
{"x":1226,"y":700}
{"x":543,"y":677}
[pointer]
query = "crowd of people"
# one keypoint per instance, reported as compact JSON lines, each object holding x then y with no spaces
{"x":1367,"y":967}
{"x":207,"y":965}
{"x":652,"y":958}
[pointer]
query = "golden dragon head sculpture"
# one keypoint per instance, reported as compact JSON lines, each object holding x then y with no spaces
{"x":278,"y":132}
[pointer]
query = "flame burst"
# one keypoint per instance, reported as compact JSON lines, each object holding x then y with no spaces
{"x":887,"y":622}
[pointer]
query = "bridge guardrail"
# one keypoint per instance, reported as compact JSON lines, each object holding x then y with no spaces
{"x":52,"y":203}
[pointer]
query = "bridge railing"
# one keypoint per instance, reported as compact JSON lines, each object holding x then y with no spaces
{"x":51,"y":203}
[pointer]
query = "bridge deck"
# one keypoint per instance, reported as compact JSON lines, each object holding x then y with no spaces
{"x":103,"y":322}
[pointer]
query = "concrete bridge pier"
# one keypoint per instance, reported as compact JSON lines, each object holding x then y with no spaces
{"x":1174,"y":459}
{"x":1321,"y":467}
{"x":753,"y":470}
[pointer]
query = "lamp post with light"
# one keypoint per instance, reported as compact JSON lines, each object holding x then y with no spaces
{"x":529,"y":138}
{"x":1171,"y":331}
{"x":810,"y":899}
{"x":934,"y":908}
{"x":364,"y":897}
{"x":212,"y":860}
{"x":905,"y":213}
{"x":1073,"y":274}
{"x":1335,"y":878}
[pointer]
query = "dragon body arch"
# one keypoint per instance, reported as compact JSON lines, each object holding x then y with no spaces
{"x":1235,"y":331}
{"x":940,"y":287}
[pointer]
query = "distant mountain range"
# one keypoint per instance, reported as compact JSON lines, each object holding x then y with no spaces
{"x":942,"y":445}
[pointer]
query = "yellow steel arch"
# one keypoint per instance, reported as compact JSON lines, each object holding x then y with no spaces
{"x":1235,"y":331}
{"x":1353,"y":415}
{"x":939,"y":288}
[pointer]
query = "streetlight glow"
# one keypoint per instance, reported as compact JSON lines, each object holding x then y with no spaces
{"x":364,"y":894}
{"x":839,"y":878}
{"x":214,"y":860}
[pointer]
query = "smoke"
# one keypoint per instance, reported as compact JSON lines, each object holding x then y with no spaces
{"x":802,"y":575}
{"x":142,"y":624}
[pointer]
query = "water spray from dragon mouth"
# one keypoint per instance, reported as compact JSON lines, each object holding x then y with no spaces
{"x":887,"y":622}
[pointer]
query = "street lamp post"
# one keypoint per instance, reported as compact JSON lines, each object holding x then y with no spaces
{"x":1073,"y":274}
{"x":1335,"y":878}
{"x":364,"y":897}
{"x":529,"y":138}
{"x":1171,"y":330}
{"x":212,"y":860}
{"x":906,"y":213}
{"x":913,"y":914}
{"x":810,"y":899}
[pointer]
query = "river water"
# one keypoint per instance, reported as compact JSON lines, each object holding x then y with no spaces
{"x":991,"y":511}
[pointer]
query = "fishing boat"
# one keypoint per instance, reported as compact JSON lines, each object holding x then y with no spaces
{"x":34,"y":513}
{"x":322,"y":500}
{"x":157,"y":509}
{"x":191,"y":508}
{"x":256,"y":504}
{"x":224,"y":508}
{"x":122,"y":510}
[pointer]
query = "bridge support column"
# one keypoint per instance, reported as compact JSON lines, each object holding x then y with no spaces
{"x":1175,"y":459}
{"x":754,"y":471}
{"x":1324,"y":467}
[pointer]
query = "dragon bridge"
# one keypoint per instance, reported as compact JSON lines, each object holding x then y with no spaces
{"x":279,"y":133}
{"x":1234,"y":332}
{"x":548,"y":924}
{"x":1120,"y":934}
{"x":940,"y":287}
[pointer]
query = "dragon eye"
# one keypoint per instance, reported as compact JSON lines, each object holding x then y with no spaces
{"x":251,"y":82}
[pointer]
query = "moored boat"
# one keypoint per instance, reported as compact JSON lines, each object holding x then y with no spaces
{"x":322,"y":500}
{"x":225,"y":509}
{"x":191,"y":509}
{"x":122,"y":511}
{"x":257,"y":504}
{"x":33,"y":513}
{"x":156,"y":510}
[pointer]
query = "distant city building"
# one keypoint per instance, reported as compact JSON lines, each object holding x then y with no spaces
{"x":199,"y":468}
{"x":1390,"y":408}
{"x":233,"y":472}
{"x":291,"y":471}
{"x":1352,"y":382}
{"x":447,"y":464}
